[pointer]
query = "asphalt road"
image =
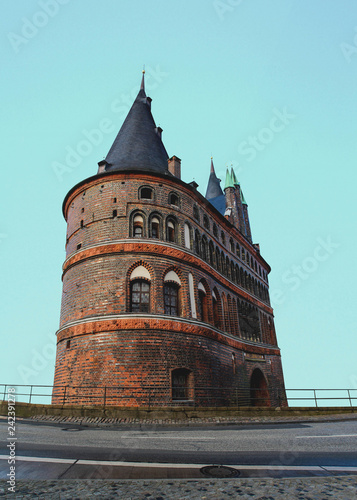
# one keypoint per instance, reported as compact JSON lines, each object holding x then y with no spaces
{"x":287,"y":446}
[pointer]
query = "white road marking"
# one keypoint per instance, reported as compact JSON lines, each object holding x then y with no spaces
{"x":180,"y":466}
{"x":41,"y":459}
{"x":327,"y":436}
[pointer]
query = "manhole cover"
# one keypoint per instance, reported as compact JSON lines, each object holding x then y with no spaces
{"x":219,"y":471}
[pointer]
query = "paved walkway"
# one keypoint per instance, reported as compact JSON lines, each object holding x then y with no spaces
{"x":104,"y":422}
{"x":313,"y":488}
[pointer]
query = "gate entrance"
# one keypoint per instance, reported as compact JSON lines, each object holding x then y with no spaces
{"x":259,"y":393}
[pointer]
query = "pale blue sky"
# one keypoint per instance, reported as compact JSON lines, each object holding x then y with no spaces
{"x":219,"y":72}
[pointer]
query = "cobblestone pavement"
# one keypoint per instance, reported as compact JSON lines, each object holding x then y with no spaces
{"x":103,"y":422}
{"x":312,"y":488}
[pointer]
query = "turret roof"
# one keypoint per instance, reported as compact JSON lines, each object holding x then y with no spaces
{"x":138,"y":144}
{"x":234,"y":178}
{"x":213,"y":188}
{"x":229,"y":181}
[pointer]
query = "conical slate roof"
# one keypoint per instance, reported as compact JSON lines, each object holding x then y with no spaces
{"x":213,"y":188}
{"x":138,"y":144}
{"x":214,"y":192}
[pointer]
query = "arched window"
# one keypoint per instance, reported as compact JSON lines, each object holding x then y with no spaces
{"x":171,"y":231}
{"x":197,"y":242}
{"x":174,"y":199}
{"x":115,"y":213}
{"x":155,"y":227}
{"x":187,"y":231}
{"x":195,"y":213}
{"x":231,"y":244}
{"x":202,"y":303}
{"x":172,"y":285}
{"x":138,"y":226}
{"x":204,"y":248}
{"x":181,"y":383}
{"x":238,"y":250}
{"x":211,"y":253}
{"x":146,"y":193}
{"x":206,"y":222}
{"x":215,"y":231}
{"x":223,"y":238}
{"x":216,"y":309}
{"x":218,"y":260}
{"x":140,"y":296}
{"x":171,"y":299}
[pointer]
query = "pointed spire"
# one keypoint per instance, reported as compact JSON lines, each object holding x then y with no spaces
{"x":242,"y":198}
{"x":212,"y":167}
{"x":229,"y":181}
{"x":138,"y":144}
{"x":213,"y":188}
{"x":142,"y":86}
{"x":234,"y":178}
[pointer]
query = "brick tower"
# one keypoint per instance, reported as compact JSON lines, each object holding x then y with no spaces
{"x":165,"y":297}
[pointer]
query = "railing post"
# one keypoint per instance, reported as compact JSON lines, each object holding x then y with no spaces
{"x":64,"y":395}
{"x":105,"y":395}
{"x":349,"y":397}
{"x":30,"y":394}
{"x":149,"y":396}
{"x":5,"y":391}
{"x":315,"y":397}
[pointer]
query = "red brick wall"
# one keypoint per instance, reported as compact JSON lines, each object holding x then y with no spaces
{"x":100,"y":343}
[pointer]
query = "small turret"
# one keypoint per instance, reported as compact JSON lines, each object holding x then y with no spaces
{"x":231,"y":201}
{"x":214,"y":193}
{"x":248,"y":232}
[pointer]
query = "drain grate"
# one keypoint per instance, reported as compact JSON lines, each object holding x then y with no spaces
{"x":71,"y":429}
{"x":219,"y":471}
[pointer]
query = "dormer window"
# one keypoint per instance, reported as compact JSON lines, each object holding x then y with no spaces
{"x":146,"y":193}
{"x":174,"y":199}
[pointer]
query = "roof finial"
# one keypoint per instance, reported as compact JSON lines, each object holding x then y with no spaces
{"x":142,"y":87}
{"x":212,"y":167}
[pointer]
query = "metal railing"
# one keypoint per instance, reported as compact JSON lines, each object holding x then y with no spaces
{"x":149,"y":396}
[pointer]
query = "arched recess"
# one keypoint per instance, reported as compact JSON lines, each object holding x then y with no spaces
{"x":259,"y":392}
{"x":203,"y":302}
{"x":204,"y":245}
{"x":140,"y":285}
{"x":137,"y":227}
{"x":217,"y":309}
{"x":172,"y":294}
{"x":171,"y":230}
{"x":188,"y":236}
{"x":155,"y":226}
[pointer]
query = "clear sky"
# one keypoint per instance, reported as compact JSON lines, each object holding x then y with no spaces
{"x":269,"y":87}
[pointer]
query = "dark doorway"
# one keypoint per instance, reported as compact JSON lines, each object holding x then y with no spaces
{"x":259,"y":393}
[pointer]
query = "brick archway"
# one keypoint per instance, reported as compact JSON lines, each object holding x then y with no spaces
{"x":259,"y":392}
